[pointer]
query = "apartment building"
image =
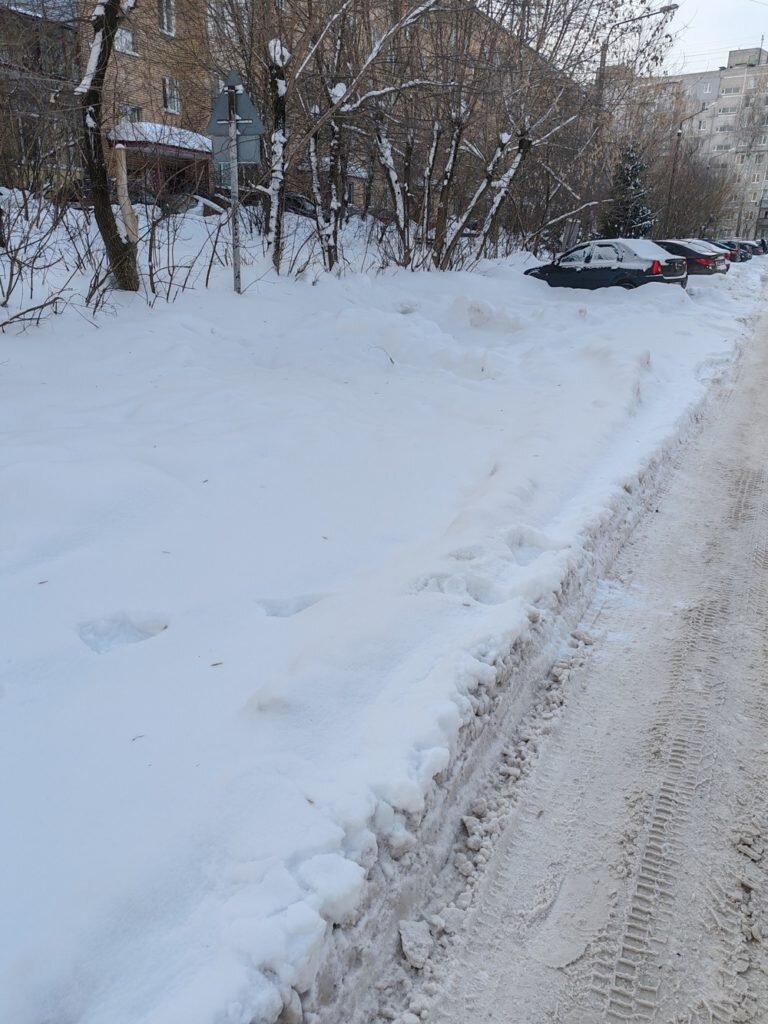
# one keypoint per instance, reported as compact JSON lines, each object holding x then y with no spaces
{"x":157,"y":97}
{"x":726,"y":111}
{"x":39,"y":127}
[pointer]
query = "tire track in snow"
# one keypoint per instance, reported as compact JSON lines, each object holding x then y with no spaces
{"x":626,"y":881}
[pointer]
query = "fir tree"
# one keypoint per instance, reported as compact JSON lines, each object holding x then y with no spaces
{"x":629,"y":216}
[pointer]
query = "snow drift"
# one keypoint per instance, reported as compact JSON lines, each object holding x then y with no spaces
{"x":259,"y":556}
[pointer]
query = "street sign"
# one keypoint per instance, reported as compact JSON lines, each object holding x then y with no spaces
{"x":250,"y":127}
{"x":235,"y":129}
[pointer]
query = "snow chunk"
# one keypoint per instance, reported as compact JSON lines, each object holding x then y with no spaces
{"x":337,"y":884}
{"x":417,"y":942}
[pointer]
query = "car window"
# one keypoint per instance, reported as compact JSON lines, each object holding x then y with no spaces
{"x":577,"y":256}
{"x":606,"y":253}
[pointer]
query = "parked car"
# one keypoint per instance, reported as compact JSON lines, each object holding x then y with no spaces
{"x":745,"y":253}
{"x":609,"y":262}
{"x":754,"y":247}
{"x":700,"y":257}
{"x":710,"y":247}
{"x":729,"y":248}
{"x":298,"y":204}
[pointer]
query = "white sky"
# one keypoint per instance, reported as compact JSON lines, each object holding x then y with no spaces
{"x":708,"y":29}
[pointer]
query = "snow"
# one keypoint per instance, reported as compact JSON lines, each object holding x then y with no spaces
{"x":260,"y":557}
{"x":93,"y":60}
{"x":646,"y":249}
{"x":417,"y":942}
{"x":152,"y":133}
{"x":278,"y":54}
{"x":51,"y":10}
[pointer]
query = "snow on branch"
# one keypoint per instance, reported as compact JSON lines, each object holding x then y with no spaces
{"x":554,"y":131}
{"x":402,"y":23}
{"x":415,"y":83}
{"x":329,"y":23}
{"x":564,"y":184}
{"x":471,"y":148}
{"x":278,"y":53}
{"x":93,"y":58}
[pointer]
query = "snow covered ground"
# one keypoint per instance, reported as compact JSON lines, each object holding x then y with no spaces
{"x":258,"y":555}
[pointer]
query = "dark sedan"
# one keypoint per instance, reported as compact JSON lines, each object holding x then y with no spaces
{"x":612,"y":262}
{"x":745,"y":253}
{"x":701,"y":259}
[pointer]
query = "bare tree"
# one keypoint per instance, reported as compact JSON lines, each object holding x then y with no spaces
{"x":121,"y":253}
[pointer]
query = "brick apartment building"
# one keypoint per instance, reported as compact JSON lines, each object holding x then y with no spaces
{"x":157,"y":94}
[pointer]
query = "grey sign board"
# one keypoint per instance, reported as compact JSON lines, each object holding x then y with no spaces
{"x":250,"y":127}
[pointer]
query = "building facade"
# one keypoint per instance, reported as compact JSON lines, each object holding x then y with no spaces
{"x":39,"y":65}
{"x":157,"y":96}
{"x":726,"y":112}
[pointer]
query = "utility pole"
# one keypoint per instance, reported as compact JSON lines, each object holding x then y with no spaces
{"x":234,"y":183}
{"x":600,"y":82}
{"x":235,"y":130}
{"x":673,"y":175}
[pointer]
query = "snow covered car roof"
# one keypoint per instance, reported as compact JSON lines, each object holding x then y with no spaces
{"x":642,"y":247}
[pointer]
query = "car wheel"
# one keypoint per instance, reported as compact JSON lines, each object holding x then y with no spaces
{"x":627,"y":284}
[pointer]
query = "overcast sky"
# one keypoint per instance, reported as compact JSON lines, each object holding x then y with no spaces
{"x":708,"y":29}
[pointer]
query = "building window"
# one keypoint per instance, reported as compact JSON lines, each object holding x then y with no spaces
{"x":702,"y":126}
{"x":130,"y":113}
{"x":125,"y":41}
{"x":732,"y":90}
{"x":755,"y":196}
{"x":756,"y":178}
{"x":171,"y":96}
{"x":168,"y":16}
{"x":707,"y":87}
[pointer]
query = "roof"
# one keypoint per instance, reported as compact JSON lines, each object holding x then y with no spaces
{"x":149,"y":133}
{"x":49,"y":10}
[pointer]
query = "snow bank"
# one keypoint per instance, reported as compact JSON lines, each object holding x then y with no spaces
{"x":259,"y":554}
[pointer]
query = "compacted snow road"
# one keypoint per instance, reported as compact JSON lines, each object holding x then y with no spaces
{"x":628,"y":882}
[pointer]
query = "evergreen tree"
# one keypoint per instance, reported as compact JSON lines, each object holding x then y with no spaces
{"x":629,"y":216}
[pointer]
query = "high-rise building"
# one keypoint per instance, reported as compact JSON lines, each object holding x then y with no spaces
{"x":726,"y":112}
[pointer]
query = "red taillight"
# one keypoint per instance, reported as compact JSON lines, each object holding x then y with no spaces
{"x":655,"y":268}
{"x":705,"y":261}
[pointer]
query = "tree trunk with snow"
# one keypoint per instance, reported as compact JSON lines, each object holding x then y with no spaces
{"x":324,"y":228}
{"x":446,"y":187}
{"x":397,"y":190}
{"x":121,"y":253}
{"x":502,"y":187}
{"x":278,"y":59}
{"x":425,"y":217}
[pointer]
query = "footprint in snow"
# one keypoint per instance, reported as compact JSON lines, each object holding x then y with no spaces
{"x":285,"y":607}
{"x":103,"y":635}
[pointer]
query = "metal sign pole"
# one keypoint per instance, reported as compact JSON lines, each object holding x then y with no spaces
{"x":234,"y":184}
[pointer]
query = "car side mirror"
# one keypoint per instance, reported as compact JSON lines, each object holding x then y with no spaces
{"x":588,"y":258}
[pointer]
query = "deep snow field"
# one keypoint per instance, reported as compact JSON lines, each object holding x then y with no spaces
{"x":257,"y":554}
